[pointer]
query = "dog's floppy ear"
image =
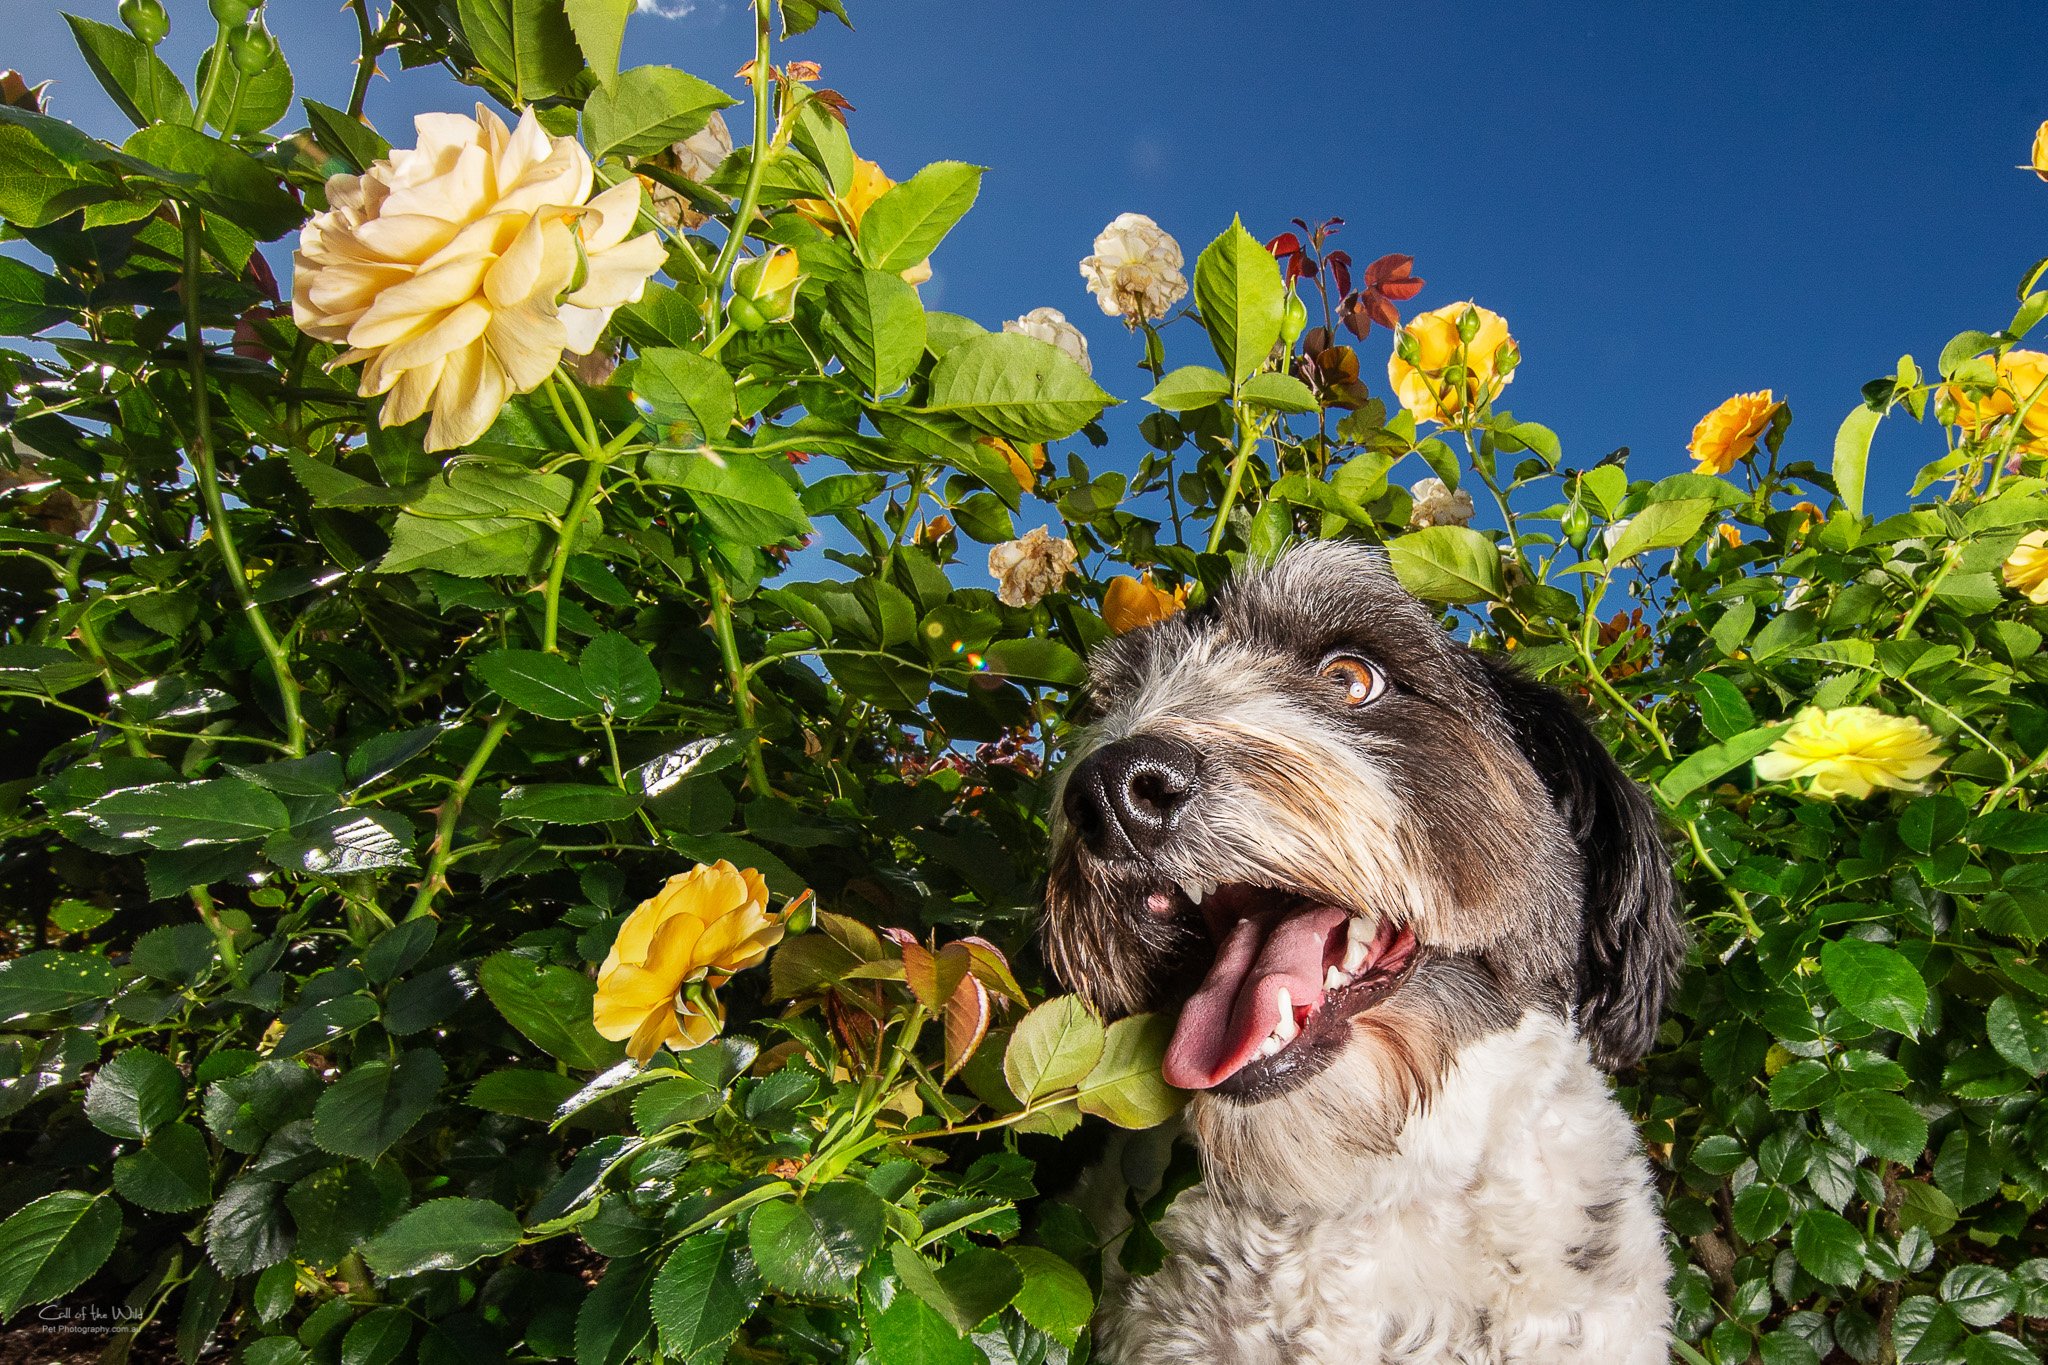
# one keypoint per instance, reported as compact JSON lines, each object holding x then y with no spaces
{"x":1632,"y":942}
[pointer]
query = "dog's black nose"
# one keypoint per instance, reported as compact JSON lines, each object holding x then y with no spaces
{"x":1124,"y":798}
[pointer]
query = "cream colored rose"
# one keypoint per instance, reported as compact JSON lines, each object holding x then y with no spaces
{"x":1852,"y":751}
{"x":459,"y":271}
{"x":1436,"y":504}
{"x":1027,"y":569}
{"x":1135,"y":271}
{"x":1050,"y":325}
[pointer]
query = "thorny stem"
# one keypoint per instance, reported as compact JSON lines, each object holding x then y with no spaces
{"x":374,"y":41}
{"x":207,"y":474}
{"x":736,"y":674}
{"x":750,"y":197}
{"x":451,"y":815}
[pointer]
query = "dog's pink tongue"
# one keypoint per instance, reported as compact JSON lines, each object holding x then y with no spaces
{"x":1224,"y":1022}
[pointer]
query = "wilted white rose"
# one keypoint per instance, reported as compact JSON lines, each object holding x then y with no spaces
{"x":1027,"y":569}
{"x":696,"y":157}
{"x":1612,"y":535}
{"x":1050,"y":325}
{"x":1135,"y":271}
{"x":459,"y":271}
{"x":1436,"y":504}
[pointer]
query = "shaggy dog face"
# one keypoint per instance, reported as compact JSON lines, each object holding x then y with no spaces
{"x":1343,"y":846}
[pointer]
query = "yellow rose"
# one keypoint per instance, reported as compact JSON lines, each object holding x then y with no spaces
{"x":2041,"y":151}
{"x":459,"y":271}
{"x":842,"y":215}
{"x":2026,"y":568}
{"x":1852,"y":751}
{"x":2019,"y":374}
{"x":699,"y":929}
{"x":1730,"y":535}
{"x":1427,"y":379}
{"x":1729,"y":433}
{"x":1026,"y":469}
{"x":1128,"y":603}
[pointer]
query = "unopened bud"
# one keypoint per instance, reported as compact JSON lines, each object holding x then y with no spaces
{"x":1293,"y":319}
{"x":252,"y":48}
{"x":146,"y":20}
{"x":231,"y":13}
{"x":1407,"y":347}
{"x":1468,"y":324}
{"x":1505,"y":357}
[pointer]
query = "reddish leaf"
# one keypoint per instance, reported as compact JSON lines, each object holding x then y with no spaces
{"x":1339,"y":263}
{"x":967,"y":1015}
{"x":986,"y":963}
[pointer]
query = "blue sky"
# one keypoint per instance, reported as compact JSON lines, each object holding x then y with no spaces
{"x":1669,"y":203}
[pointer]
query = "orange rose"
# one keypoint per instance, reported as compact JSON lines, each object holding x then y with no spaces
{"x":1730,"y":432}
{"x":1128,"y":603}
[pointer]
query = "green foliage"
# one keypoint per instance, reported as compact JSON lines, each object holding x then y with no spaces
{"x":342,"y":763}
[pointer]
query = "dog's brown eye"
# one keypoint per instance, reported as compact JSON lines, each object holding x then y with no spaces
{"x":1360,"y":680}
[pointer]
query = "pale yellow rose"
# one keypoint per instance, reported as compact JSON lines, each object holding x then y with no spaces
{"x":459,"y":271}
{"x":2041,"y":151}
{"x":2019,"y":374}
{"x":1437,"y":504}
{"x":2026,"y":568}
{"x":842,"y":215}
{"x":1028,"y":568}
{"x":1050,"y":325}
{"x":1430,"y":384}
{"x":1852,"y":751}
{"x":698,"y":930}
{"x":1128,"y":603}
{"x":1730,"y":432}
{"x":1135,"y":271}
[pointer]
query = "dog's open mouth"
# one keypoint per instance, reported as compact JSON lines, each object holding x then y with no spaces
{"x":1289,"y":971}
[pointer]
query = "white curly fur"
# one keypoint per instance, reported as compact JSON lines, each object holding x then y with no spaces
{"x":1514,"y":1225}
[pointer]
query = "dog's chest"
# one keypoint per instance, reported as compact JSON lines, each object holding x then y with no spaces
{"x":1516,"y":1227}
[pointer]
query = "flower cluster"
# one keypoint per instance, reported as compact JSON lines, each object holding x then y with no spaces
{"x":1451,"y":362}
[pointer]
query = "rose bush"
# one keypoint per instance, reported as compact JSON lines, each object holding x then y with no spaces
{"x":351,"y":720}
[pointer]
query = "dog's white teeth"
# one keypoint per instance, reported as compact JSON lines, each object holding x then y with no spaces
{"x":1358,"y":937}
{"x":1286,"y":1028}
{"x":1335,"y":979}
{"x":1272,"y":1045}
{"x":1195,"y":891}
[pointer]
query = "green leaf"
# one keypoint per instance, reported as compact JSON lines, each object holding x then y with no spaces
{"x":178,"y":815}
{"x":1188,"y":388}
{"x":526,"y":44}
{"x":545,"y":684}
{"x":1981,"y":1295}
{"x":247,"y":1229}
{"x":134,"y":77}
{"x":47,"y":982}
{"x":2019,"y":1032}
{"x":1015,"y":386}
{"x":31,"y":301}
{"x":1723,"y":708}
{"x":1036,"y":660}
{"x":1884,"y":1123}
{"x":1280,"y":392}
{"x":902,"y":227}
{"x":1996,"y":1348}
{"x":567,"y":803}
{"x":324,"y":1022}
{"x":349,"y":138}
{"x":1452,"y":564}
{"x":376,"y":1103}
{"x":443,"y":1234}
{"x":344,"y":843}
{"x":522,"y":1092}
{"x":1661,"y":525}
{"x":743,"y":499}
{"x":1804,"y":1084}
{"x":704,"y":1292}
{"x":1760,"y":1210}
{"x":909,"y":1330}
{"x":1053,"y":1048}
{"x":816,"y":1246}
{"x":551,"y":1005}
{"x":1875,"y":984}
{"x":169,"y":1174}
{"x":967,"y":1291}
{"x":52,"y":1246}
{"x":1828,"y":1247}
{"x":1240,"y":295}
{"x":647,"y":108}
{"x":1125,"y":1086}
{"x":134,"y":1094}
{"x":618,"y":673}
{"x":689,"y":398}
{"x":1852,"y":455}
{"x":600,"y":29}
{"x":337,"y":1209}
{"x":1696,"y":770}
{"x":378,"y":1337}
{"x":477,"y":521}
{"x":875,"y":325}
{"x":1055,"y":1298}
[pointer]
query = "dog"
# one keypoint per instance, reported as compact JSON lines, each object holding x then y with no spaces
{"x":1408,"y":909}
